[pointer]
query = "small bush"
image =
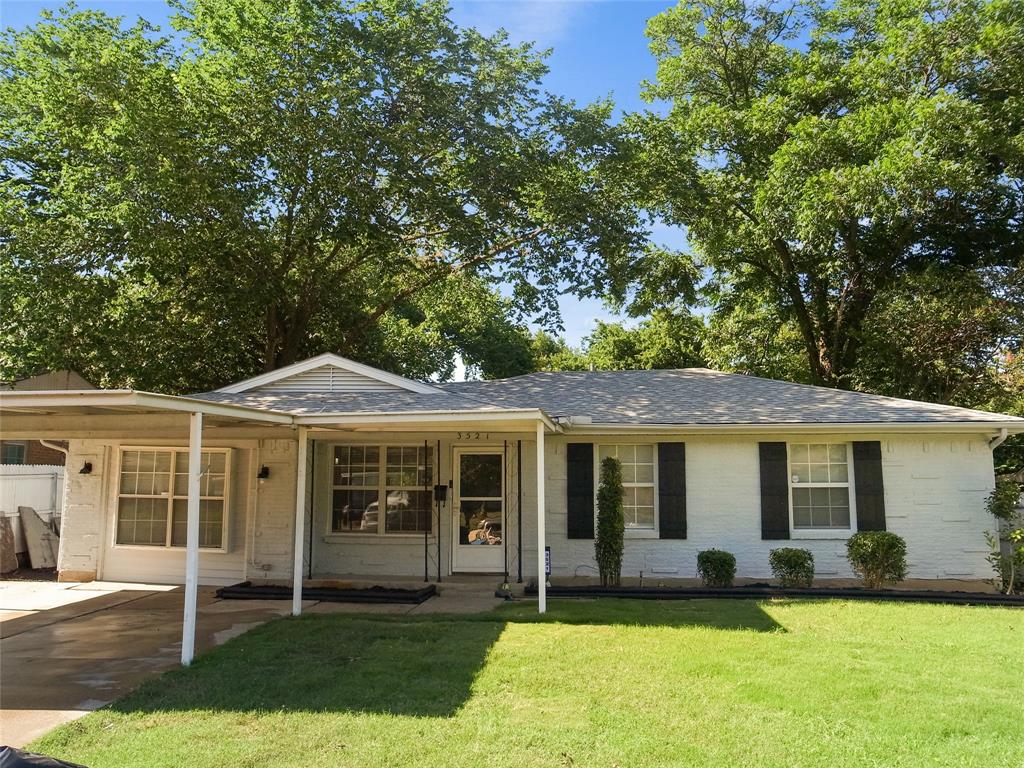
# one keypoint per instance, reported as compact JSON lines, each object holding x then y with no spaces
{"x":716,"y":568}
{"x":792,"y":567}
{"x":877,"y":557}
{"x":1007,"y":543}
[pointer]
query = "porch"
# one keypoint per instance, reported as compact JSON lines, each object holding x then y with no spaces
{"x":224,"y":492}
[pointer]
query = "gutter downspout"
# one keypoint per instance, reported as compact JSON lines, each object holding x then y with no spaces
{"x":55,"y":447}
{"x":999,"y":439}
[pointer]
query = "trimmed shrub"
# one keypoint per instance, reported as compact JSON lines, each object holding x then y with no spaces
{"x":877,"y":557}
{"x":716,"y":568}
{"x":1007,"y":543}
{"x":611,"y":524}
{"x":792,"y":567}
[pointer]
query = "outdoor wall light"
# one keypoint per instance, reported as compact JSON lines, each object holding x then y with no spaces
{"x":86,"y":468}
{"x":264,"y":473}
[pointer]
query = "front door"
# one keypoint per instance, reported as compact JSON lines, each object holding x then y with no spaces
{"x":479,"y":510}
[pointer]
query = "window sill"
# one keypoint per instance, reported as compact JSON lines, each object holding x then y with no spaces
{"x":164,"y":548}
{"x":375,"y":538}
{"x":640,"y":533}
{"x":822,"y":534}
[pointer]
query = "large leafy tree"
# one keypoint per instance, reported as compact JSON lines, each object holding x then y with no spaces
{"x":663,"y":340}
{"x":821,"y":154}
{"x":277,"y":179}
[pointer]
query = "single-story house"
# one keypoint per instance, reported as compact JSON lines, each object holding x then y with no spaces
{"x":330,"y":468}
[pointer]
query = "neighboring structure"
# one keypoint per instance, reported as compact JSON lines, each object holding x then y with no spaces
{"x":33,"y":452}
{"x":379,"y":476}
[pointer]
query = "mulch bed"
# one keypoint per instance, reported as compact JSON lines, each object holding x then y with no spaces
{"x":248,"y":591}
{"x":755,"y":591}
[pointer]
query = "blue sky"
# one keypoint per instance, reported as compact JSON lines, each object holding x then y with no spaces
{"x":598,"y":50}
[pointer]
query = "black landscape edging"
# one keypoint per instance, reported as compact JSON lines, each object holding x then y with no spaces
{"x":248,"y":591}
{"x":851,"y":593}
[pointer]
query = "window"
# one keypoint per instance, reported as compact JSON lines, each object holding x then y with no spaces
{"x":12,"y":453}
{"x":369,"y":476}
{"x":820,"y":485}
{"x":152,"y":508}
{"x":637,"y":482}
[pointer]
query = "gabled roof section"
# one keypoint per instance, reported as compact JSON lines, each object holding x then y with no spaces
{"x":329,"y":373}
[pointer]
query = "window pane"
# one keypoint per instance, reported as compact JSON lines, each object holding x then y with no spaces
{"x":839,"y":473}
{"x":839,"y":497}
{"x":480,"y":523}
{"x":357,"y":465}
{"x":840,"y":517}
{"x":801,"y":473}
{"x":818,"y":454}
{"x":645,"y":496}
{"x":645,"y":453}
{"x":406,"y":466}
{"x":211,"y":523}
{"x":644,"y":517}
{"x":355,"y":511}
{"x":837,"y":453}
{"x":798,"y":453}
{"x":480,"y":475}
{"x":211,"y":482}
{"x":629,"y":473}
{"x":802,"y":517}
{"x":605,"y":451}
{"x":819,"y":473}
{"x":645,"y":473}
{"x":820,"y":517}
{"x":142,"y":521}
{"x":801,"y":497}
{"x":408,"y":512}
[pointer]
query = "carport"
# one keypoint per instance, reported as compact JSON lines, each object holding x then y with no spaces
{"x":63,"y":415}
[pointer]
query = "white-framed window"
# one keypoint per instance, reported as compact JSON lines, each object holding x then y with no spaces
{"x":397,"y":478}
{"x":152,"y":498}
{"x":13,"y":452}
{"x":637,"y":482}
{"x":819,"y":486}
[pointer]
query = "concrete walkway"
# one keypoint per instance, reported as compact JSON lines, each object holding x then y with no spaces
{"x":67,"y":649}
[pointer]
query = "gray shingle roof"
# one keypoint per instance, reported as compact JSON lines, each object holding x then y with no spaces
{"x":351,"y":402}
{"x":690,"y":396}
{"x":702,"y":396}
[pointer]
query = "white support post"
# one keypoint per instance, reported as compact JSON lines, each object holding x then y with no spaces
{"x":195,"y":456}
{"x":300,"y":522}
{"x":542,"y":586}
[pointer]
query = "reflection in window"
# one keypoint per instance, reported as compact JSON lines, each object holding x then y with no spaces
{"x":367,"y":475}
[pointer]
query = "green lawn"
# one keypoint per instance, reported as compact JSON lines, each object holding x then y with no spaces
{"x":609,"y":683}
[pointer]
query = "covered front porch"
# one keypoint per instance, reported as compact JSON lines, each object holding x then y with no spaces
{"x":215,"y":493}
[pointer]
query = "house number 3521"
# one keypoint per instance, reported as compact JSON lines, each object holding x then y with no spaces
{"x":471,"y":435}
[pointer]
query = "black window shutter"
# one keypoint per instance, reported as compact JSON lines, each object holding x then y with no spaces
{"x":580,"y":502}
{"x":867,"y":480}
{"x":672,"y":490}
{"x":774,"y":491}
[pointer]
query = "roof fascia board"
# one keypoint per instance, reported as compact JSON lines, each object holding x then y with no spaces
{"x":455,"y":417}
{"x":114,"y":398}
{"x":338,"y":361}
{"x":978,"y":427}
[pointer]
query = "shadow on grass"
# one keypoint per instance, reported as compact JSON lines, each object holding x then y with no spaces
{"x":421,"y":666}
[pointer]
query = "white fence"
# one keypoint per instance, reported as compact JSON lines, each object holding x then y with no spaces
{"x":30,"y":485}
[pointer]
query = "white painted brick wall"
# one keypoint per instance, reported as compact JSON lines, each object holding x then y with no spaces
{"x":934,"y":494}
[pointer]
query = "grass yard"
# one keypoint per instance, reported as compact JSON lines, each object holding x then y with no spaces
{"x":611,"y":683}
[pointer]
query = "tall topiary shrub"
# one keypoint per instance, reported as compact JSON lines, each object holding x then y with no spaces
{"x":611,"y":525}
{"x":877,"y":557}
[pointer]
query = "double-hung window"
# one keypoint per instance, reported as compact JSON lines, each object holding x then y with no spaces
{"x":637,"y":482}
{"x":152,"y":505}
{"x":820,"y":485}
{"x":395,"y":478}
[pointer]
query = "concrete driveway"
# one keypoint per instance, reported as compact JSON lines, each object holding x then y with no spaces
{"x":67,"y":649}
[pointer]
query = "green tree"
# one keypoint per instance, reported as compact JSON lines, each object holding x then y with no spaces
{"x":278,"y":179}
{"x":818,"y":154}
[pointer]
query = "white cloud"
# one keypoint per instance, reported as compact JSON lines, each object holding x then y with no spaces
{"x":540,"y":21}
